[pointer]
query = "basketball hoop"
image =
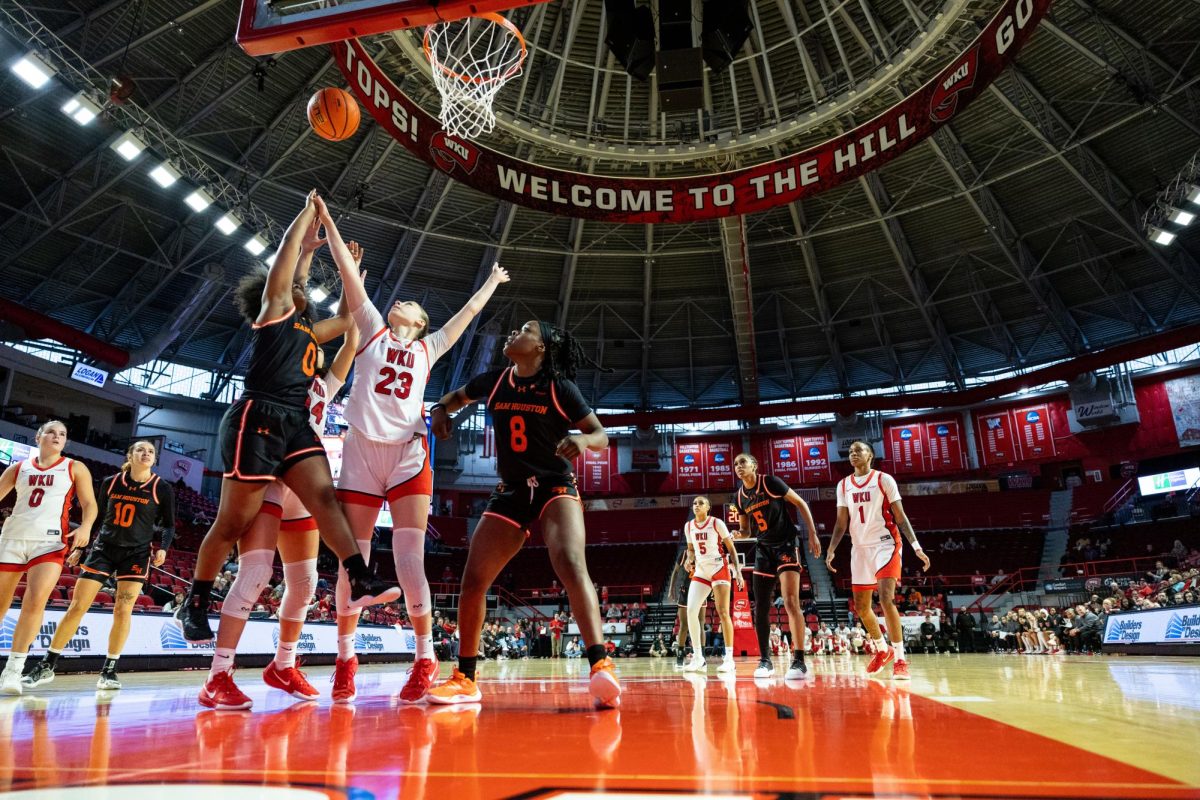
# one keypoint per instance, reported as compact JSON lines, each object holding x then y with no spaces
{"x":472,"y":59}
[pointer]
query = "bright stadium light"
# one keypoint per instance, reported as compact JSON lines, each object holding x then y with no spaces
{"x":128,"y":146}
{"x":256,"y":244}
{"x":164,"y":174}
{"x":333,"y":307}
{"x":1192,"y":193}
{"x":198,"y":200}
{"x":228,"y":223}
{"x":81,"y":108}
{"x":33,"y":69}
{"x":1180,"y":217}
{"x":1161,"y":235}
{"x":319,"y":294}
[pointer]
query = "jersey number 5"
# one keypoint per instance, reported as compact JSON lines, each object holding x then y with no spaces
{"x":760,"y":520}
{"x":403,"y":382}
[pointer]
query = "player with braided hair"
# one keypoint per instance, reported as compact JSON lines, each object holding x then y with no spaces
{"x":534,"y":404}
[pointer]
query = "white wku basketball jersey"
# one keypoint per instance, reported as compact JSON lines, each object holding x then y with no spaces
{"x":706,"y":542}
{"x":320,"y":392}
{"x":43,"y":501}
{"x":390,"y":375}
{"x":869,"y":500}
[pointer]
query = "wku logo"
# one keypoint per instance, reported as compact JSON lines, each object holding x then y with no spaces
{"x":450,"y":153}
{"x":958,"y":78}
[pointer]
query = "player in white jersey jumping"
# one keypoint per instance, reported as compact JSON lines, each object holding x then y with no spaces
{"x":709,"y":551}
{"x":34,"y":538}
{"x":868,"y":504}
{"x":386,"y":456}
{"x":281,"y":512}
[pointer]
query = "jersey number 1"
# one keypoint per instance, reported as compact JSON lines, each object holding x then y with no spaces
{"x":862,"y":515}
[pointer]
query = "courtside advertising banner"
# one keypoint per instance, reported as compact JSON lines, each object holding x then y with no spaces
{"x":1174,"y":625}
{"x":685,"y":199}
{"x":158,"y":635}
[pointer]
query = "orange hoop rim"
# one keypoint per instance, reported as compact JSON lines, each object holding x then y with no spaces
{"x":493,"y":17}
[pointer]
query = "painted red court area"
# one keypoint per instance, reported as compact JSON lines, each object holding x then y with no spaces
{"x":840,"y":735}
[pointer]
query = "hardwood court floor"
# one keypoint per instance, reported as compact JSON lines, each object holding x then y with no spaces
{"x":965,"y":726}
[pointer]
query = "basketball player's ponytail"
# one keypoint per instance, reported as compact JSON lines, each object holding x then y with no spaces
{"x":564,"y":354}
{"x":249,"y":294}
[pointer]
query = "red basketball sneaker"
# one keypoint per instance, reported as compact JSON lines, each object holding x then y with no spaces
{"x":880,"y":660}
{"x":220,"y":692}
{"x":603,"y":684}
{"x":343,"y":680}
{"x":290,"y":680}
{"x":420,"y":679}
{"x":900,"y":670}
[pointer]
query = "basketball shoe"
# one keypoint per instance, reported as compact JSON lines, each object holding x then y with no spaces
{"x":727,"y":664}
{"x":10,"y":679}
{"x":765,"y":669}
{"x":290,"y":680}
{"x":42,"y":673}
{"x":108,"y":679}
{"x":900,"y":670}
{"x":420,"y":680}
{"x":371,"y":591}
{"x":192,"y":619}
{"x":343,"y":680}
{"x":880,"y":660}
{"x":798,"y":671}
{"x":603,"y":683}
{"x":221,"y":693}
{"x":457,"y":689}
{"x":697,"y":664}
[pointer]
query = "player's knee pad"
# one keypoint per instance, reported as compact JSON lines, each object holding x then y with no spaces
{"x":299,"y":581}
{"x":408,"y":550}
{"x":341,"y":594}
{"x":254,"y":573}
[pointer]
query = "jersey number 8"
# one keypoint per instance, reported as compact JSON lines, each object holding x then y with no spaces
{"x":517,"y":438}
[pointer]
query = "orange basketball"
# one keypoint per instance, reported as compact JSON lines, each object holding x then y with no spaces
{"x":333,"y":114}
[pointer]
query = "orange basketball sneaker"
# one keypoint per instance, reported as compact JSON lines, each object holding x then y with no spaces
{"x":343,"y":680}
{"x":603,"y":684}
{"x":420,"y":679}
{"x":457,"y":689}
{"x":880,"y":660}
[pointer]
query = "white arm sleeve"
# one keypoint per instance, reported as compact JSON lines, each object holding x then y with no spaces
{"x":438,"y":344}
{"x":368,"y":320}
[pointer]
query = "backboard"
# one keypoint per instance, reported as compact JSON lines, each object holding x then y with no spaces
{"x":274,"y":26}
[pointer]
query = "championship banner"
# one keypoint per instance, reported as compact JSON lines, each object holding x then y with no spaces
{"x":689,"y":466}
{"x":814,"y":453}
{"x":595,"y":470}
{"x":785,"y":458}
{"x":906,"y":447}
{"x":1034,"y":433}
{"x":686,"y":199}
{"x":718,"y":464}
{"x":944,"y":440}
{"x":996,"y":442}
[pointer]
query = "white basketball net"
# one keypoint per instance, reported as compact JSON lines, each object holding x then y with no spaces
{"x":472,"y":59}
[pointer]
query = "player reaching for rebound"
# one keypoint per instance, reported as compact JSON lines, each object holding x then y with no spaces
{"x":709,"y":548}
{"x":534,"y":404}
{"x":868,"y":504}
{"x":281,"y":512}
{"x":386,"y":457}
{"x":265,"y":435}
{"x":138,"y":502}
{"x":762,"y":502}
{"x":34,"y":538}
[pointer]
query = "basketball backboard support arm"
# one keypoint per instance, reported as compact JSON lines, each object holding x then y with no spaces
{"x":275,"y":26}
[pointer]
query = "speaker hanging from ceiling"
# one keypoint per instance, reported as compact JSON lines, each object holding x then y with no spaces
{"x":727,"y":25}
{"x":630,"y":36}
{"x":680,"y":63}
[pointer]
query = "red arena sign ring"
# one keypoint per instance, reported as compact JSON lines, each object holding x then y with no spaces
{"x":744,"y":191}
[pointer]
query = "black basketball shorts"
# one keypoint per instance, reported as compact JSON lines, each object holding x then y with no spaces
{"x":261,"y":440}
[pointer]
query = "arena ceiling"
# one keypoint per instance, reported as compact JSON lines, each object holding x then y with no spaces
{"x":1009,"y":239}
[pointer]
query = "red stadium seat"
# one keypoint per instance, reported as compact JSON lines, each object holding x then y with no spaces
{"x":104,"y":598}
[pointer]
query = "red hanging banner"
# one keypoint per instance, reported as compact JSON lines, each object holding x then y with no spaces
{"x":785,"y":458}
{"x":688,"y":198}
{"x":689,"y":466}
{"x":597,"y":470}
{"x":906,"y":447}
{"x":944,"y":439}
{"x":814,"y":451}
{"x":1033,"y":432}
{"x":718,"y":464}
{"x":996,"y":442}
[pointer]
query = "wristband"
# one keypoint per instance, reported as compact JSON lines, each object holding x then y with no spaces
{"x":442,"y":406}
{"x":916,"y":545}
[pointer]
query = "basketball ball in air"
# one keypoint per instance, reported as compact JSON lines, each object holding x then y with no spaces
{"x":333,"y":114}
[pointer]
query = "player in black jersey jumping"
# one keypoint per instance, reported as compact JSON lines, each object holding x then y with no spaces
{"x":762,"y":503}
{"x":265,"y":435}
{"x":137,"y":503}
{"x":534,"y":404}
